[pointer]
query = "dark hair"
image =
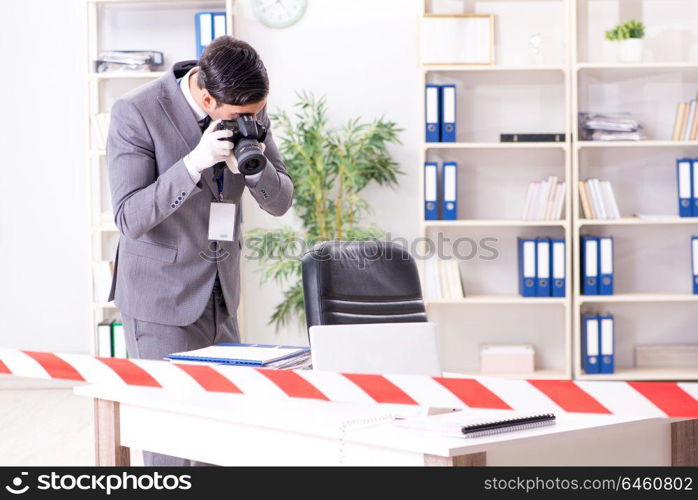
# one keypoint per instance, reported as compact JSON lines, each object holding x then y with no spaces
{"x":232,"y":72}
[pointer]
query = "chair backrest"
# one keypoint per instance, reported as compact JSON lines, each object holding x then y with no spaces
{"x":356,"y":282}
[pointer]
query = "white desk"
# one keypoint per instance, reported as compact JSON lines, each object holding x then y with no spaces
{"x":240,"y":430}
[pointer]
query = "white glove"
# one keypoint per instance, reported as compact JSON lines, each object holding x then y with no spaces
{"x":210,"y":149}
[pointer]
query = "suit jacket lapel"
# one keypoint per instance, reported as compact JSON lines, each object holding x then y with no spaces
{"x":177,"y":110}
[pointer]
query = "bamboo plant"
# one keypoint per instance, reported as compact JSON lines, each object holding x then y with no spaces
{"x":330,"y":168}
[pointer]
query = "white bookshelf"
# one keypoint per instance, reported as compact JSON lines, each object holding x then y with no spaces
{"x":166,"y":25}
{"x":652,"y":255}
{"x":514,"y":95}
{"x":653,"y":302}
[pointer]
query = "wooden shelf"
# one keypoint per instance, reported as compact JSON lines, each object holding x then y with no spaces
{"x":494,"y":145}
{"x":648,"y":66}
{"x":492,"y":223}
{"x":121,"y":75}
{"x":497,"y":299}
{"x":636,"y":144}
{"x":634,"y":221}
{"x":535,"y":375}
{"x":668,"y":373}
{"x":429,"y":68}
{"x":640,"y":297}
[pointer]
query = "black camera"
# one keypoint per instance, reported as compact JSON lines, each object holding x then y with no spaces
{"x":248,"y":133}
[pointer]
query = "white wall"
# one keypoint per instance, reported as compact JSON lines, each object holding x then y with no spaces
{"x":363,"y":56}
{"x":43,"y":225}
{"x":360,"y":54}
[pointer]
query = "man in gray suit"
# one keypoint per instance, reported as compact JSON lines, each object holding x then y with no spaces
{"x":176,"y":289}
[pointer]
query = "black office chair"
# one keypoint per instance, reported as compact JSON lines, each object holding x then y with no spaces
{"x":350,"y":282}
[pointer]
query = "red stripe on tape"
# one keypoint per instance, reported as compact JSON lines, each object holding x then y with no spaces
{"x":569,"y":396}
{"x":380,"y":389}
{"x":209,"y":379}
{"x":293,"y":384}
{"x":668,"y":397}
{"x":4,"y":368}
{"x":473,"y":393}
{"x":130,"y":372}
{"x":55,"y":366}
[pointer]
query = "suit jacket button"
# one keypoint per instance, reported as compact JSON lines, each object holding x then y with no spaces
{"x":183,"y":193}
{"x":179,"y":198}
{"x":172,"y":206}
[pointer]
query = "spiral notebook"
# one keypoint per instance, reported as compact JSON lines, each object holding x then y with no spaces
{"x":469,"y":426}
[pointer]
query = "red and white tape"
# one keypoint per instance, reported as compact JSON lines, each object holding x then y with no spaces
{"x":638,"y":399}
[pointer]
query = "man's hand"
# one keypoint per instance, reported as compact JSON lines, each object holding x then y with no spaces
{"x":210,"y":149}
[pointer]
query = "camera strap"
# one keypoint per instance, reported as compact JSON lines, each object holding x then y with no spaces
{"x":218,"y":173}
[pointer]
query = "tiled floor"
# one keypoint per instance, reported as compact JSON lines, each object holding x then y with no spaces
{"x":44,"y":423}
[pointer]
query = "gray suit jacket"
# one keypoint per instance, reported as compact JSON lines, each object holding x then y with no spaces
{"x":165,"y":264}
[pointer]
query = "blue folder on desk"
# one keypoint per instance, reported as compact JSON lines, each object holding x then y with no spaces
{"x":239,"y":354}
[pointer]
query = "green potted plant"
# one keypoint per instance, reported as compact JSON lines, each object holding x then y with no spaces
{"x":330,"y":168}
{"x":629,"y":37}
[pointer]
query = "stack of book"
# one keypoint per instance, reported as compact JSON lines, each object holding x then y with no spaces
{"x":545,"y":200}
{"x":128,"y":60}
{"x":685,"y":122}
{"x":443,"y":279}
{"x":609,"y":127}
{"x":597,"y":200}
{"x":280,"y":357}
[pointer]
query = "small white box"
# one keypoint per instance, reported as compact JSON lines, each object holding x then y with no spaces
{"x":507,"y":359}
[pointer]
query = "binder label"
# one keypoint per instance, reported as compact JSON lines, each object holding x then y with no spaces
{"x":606,"y":256}
{"x":558,"y":260}
{"x":529,"y":262}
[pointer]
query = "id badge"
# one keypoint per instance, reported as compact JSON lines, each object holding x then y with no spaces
{"x":221,"y":221}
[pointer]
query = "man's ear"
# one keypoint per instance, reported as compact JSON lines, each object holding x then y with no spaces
{"x":208,"y":100}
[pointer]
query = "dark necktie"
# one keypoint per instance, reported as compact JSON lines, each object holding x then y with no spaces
{"x":204,"y":123}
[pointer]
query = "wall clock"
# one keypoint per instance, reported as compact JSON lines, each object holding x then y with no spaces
{"x":279,"y":13}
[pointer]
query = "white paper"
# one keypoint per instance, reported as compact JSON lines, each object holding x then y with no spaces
{"x":221,"y":222}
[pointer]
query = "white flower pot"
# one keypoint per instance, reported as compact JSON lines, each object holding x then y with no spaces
{"x":630,"y":50}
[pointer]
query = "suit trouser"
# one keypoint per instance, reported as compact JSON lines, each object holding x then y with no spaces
{"x":146,"y":340}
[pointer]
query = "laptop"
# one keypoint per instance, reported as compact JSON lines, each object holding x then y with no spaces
{"x":391,"y":348}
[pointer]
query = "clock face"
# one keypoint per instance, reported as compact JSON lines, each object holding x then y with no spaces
{"x":279,"y":13}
